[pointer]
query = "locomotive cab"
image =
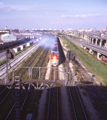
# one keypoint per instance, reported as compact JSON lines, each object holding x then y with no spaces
{"x":54,"y":56}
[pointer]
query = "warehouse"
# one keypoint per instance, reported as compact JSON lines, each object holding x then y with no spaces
{"x":7,"y":37}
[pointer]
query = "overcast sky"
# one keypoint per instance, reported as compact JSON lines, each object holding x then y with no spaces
{"x":56,"y":14}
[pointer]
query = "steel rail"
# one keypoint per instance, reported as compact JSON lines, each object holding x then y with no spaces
{"x":41,"y":63}
{"x":6,"y":95}
{"x":81,"y":103}
{"x":25,"y":97}
{"x":3,"y":90}
{"x":18,"y":59}
{"x":72,"y":103}
{"x":30,"y":63}
{"x":10,"y":111}
{"x":31,"y":86}
{"x":21,"y":107}
{"x":13,"y":86}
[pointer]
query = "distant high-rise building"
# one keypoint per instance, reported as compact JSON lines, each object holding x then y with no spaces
{"x":6,"y":28}
{"x":106,"y":28}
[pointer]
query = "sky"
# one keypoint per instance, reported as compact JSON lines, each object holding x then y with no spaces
{"x":56,"y":14}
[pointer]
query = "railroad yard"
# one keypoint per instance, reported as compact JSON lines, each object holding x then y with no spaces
{"x":44,"y":93}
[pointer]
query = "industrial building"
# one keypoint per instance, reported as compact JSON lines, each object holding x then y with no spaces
{"x":7,"y":37}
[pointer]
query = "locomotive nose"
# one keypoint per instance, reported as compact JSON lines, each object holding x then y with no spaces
{"x":54,"y":59}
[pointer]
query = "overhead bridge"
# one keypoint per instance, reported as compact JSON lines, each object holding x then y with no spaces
{"x":39,"y":82}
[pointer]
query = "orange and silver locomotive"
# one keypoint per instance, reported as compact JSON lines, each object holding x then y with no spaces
{"x":54,"y":58}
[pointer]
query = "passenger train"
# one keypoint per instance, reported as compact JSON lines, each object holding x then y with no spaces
{"x":54,"y":57}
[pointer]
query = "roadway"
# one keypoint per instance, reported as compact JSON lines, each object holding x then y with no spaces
{"x":2,"y":56}
{"x":85,"y":43}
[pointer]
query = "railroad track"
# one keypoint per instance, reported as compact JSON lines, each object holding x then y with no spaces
{"x":54,"y":105}
{"x":61,"y":104}
{"x":5,"y":92}
{"x":78,"y":111}
{"x":24,"y":100}
{"x":10,"y":92}
{"x":53,"y":100}
{"x":17,"y":60}
{"x":78,"y":108}
{"x":41,"y":61}
{"x":24,"y":97}
{"x":96,"y":93}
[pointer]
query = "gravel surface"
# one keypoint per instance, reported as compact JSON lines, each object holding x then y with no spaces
{"x":65,"y":104}
{"x":92,"y":113}
{"x":41,"y":106}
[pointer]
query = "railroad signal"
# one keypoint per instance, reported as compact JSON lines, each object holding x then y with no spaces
{"x":71,"y":55}
{"x":10,"y":53}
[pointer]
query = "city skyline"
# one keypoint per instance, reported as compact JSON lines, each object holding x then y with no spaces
{"x":55,"y":14}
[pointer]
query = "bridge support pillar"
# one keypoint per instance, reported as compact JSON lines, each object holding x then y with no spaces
{"x":96,"y":41}
{"x":92,"y":40}
{"x":101,"y":43}
{"x":89,"y":41}
{"x":106,"y":44}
